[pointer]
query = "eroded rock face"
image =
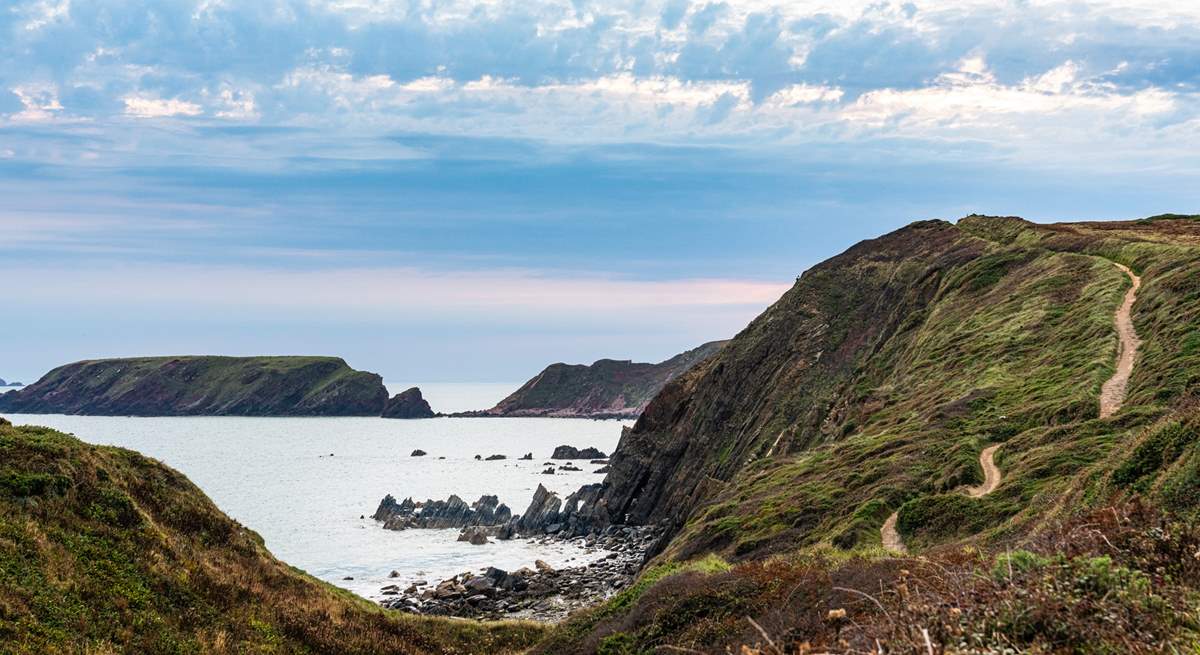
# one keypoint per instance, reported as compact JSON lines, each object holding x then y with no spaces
{"x":453,"y":512}
{"x":408,"y":404}
{"x":548,"y":514}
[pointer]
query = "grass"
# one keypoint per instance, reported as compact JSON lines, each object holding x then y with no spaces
{"x":872,"y":387}
{"x":1120,"y":580}
{"x":104,"y":550}
{"x":204,"y":385}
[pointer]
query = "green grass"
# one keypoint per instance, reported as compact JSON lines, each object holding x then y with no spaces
{"x":103,"y":550}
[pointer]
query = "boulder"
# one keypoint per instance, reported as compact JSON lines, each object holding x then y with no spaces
{"x":527,"y":456}
{"x":418,"y":453}
{"x":493,"y":458}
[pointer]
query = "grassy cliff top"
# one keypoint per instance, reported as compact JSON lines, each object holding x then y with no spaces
{"x":204,"y":385}
{"x":103,"y":550}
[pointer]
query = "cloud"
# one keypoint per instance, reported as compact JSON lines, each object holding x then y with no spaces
{"x":141,"y":106}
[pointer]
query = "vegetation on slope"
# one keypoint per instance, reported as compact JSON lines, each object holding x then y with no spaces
{"x":103,"y":550}
{"x":607,"y":388}
{"x":206,"y":385}
{"x":873,"y":385}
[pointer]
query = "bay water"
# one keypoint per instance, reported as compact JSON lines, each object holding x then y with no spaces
{"x":310,"y":485}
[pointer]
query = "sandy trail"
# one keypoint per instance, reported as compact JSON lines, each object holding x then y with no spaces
{"x":991,"y":474}
{"x":1112,"y":394}
{"x":891,"y":536}
{"x":991,"y":480}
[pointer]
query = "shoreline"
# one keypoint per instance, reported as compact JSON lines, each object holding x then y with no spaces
{"x":543,"y":593}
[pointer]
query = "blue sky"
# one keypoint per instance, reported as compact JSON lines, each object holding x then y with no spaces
{"x":467,"y":191}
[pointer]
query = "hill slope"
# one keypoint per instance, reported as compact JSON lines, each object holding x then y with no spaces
{"x":873,"y":386}
{"x":608,"y":388}
{"x":195,"y":386}
{"x":103,"y":550}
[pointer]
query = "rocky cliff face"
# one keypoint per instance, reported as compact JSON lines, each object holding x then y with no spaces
{"x":606,"y":389}
{"x":193,"y":386}
{"x":408,"y":404}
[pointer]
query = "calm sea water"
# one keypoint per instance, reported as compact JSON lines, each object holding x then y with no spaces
{"x":303,"y":483}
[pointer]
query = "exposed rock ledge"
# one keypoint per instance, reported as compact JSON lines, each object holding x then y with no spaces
{"x":450,"y":513}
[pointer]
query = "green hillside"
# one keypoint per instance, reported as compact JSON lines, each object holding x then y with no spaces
{"x":871,"y":388}
{"x":104,"y":551}
{"x":203,"y":386}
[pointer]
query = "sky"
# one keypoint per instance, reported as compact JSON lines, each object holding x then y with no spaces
{"x":468,"y":191}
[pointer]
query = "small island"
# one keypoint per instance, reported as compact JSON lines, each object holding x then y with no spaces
{"x":203,"y":386}
{"x":608,"y":388}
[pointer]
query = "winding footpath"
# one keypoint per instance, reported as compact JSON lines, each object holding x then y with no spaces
{"x":1112,"y":396}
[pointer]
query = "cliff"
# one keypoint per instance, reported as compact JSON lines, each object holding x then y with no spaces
{"x":606,"y":389}
{"x":195,"y":386}
{"x":103,"y":550}
{"x":876,"y":392}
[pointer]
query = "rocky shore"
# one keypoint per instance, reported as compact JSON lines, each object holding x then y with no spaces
{"x":541,"y":593}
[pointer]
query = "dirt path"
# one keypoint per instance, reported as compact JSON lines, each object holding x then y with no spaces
{"x":1112,"y":394}
{"x":891,"y":536}
{"x":991,"y":480}
{"x":991,"y":474}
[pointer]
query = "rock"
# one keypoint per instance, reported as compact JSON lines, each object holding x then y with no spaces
{"x":4,"y":422}
{"x":408,"y":404}
{"x":348,"y":577}
{"x":570,"y":452}
{"x":394,"y":574}
{"x":418,"y":453}
{"x":480,"y":585}
{"x":569,"y":467}
{"x":450,"y":513}
{"x":603,"y":469}
{"x":493,"y":458}
{"x":478,"y":457}
{"x":598,"y":461}
{"x":527,"y":456}
{"x":542,"y":566}
{"x":475,"y":534}
{"x":549,"y":471}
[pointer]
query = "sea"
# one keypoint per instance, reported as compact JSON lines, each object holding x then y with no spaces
{"x":310,"y":485}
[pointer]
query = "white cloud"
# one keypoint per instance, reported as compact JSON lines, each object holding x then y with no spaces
{"x":236,"y":105}
{"x":40,"y":102}
{"x":142,"y":106}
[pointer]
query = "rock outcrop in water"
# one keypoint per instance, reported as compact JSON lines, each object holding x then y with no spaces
{"x":608,"y":388}
{"x":453,"y":512}
{"x":570,"y":452}
{"x":408,"y":404}
{"x":203,"y":386}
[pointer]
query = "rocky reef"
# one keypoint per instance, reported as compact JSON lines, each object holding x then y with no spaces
{"x":203,"y":386}
{"x":453,"y":512}
{"x":571,"y":452}
{"x":408,"y":404}
{"x":608,"y":388}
